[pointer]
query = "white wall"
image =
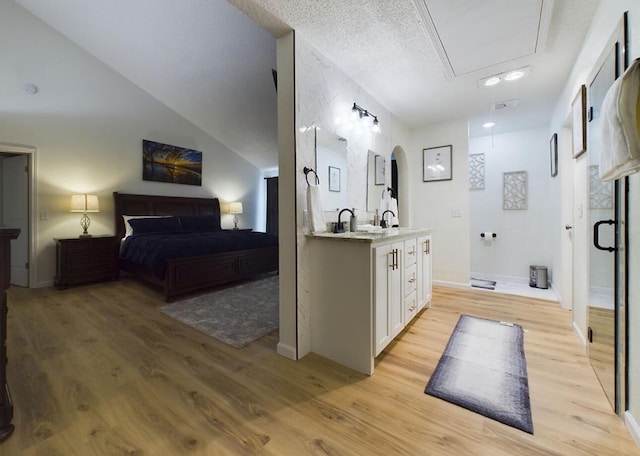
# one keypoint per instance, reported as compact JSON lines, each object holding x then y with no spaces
{"x":606,"y":19}
{"x":87,"y":123}
{"x":524,"y":237}
{"x":436,"y":205}
{"x":324,"y":97}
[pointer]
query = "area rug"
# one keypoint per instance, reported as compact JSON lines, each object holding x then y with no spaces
{"x":482,"y":283}
{"x":236,"y":316}
{"x":483,"y":369}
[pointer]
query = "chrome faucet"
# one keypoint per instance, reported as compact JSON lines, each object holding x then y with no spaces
{"x":383,"y":222}
{"x":338,"y":228}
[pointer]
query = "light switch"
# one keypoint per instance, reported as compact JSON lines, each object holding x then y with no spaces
{"x":456,"y":212}
{"x":44,"y":215}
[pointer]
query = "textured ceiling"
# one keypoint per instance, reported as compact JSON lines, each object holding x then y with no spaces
{"x":212,"y":64}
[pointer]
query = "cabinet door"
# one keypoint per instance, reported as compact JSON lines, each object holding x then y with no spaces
{"x":384,"y":261}
{"x":396,"y":293}
{"x":424,"y":271}
{"x":389,"y":318}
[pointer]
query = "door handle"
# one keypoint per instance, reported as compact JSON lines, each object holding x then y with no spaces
{"x":568,"y":227}
{"x":596,"y":235}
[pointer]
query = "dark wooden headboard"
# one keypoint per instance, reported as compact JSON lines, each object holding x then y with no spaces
{"x":129,"y":204}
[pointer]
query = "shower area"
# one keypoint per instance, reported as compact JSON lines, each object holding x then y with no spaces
{"x":514,"y":206}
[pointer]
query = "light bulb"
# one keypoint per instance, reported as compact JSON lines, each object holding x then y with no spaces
{"x":492,"y":81}
{"x":376,"y":125}
{"x":355,"y":113}
{"x":516,"y":74}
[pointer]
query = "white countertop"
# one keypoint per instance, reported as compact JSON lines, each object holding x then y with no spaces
{"x":388,"y":234}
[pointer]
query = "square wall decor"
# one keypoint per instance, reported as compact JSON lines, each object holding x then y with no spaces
{"x":514,"y":191}
{"x":600,"y":192}
{"x":476,"y":172}
{"x":173,"y":164}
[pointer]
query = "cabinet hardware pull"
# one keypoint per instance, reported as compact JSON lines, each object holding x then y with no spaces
{"x":395,"y":258}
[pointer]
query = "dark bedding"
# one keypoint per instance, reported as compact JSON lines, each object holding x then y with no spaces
{"x":154,"y":248}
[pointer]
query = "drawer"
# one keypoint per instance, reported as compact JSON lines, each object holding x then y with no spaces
{"x":410,"y":307}
{"x":79,"y":263}
{"x":410,"y":279}
{"x":410,"y":252}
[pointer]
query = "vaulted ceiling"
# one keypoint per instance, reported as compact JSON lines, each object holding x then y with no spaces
{"x":211,"y":60}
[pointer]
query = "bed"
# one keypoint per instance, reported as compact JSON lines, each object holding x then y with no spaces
{"x":235,"y":254}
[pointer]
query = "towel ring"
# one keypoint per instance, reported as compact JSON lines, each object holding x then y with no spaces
{"x":390,"y":192}
{"x":306,"y":171}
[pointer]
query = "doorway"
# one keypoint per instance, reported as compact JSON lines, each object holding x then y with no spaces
{"x":17,"y":182}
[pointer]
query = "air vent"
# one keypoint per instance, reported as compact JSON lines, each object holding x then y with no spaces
{"x":498,"y":105}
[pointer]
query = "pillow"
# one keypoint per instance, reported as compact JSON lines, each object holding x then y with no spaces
{"x":200,"y":222}
{"x":128,"y":230}
{"x":156,"y":225}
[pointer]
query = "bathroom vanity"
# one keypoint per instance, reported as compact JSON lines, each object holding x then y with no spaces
{"x":364,"y":289}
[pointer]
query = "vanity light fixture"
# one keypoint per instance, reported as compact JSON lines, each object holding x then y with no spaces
{"x":358,"y":113}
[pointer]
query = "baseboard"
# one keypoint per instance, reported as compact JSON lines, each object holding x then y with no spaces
{"x":500,"y":278}
{"x":632,"y":427}
{"x":287,"y":351}
{"x":445,"y":283}
{"x":581,"y":337}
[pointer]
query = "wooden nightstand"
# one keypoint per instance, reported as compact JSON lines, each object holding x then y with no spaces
{"x":83,"y":260}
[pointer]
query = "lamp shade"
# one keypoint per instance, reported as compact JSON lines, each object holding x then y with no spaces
{"x":235,"y":208}
{"x":84,"y":203}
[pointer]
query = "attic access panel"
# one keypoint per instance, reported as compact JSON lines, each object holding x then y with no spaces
{"x":474,"y":35}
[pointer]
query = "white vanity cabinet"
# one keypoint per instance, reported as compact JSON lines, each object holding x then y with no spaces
{"x":423,"y":258}
{"x":363,"y":290}
{"x":388,"y":299}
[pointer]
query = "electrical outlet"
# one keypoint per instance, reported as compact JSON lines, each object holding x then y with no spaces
{"x":456,"y":212}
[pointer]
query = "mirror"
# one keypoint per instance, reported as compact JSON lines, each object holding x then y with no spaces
{"x":331,"y":166}
{"x":375,"y":180}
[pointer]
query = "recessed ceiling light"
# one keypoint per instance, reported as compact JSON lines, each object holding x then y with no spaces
{"x":517,"y":74}
{"x":510,"y":75}
{"x":489,"y":124}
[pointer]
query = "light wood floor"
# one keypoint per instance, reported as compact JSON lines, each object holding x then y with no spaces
{"x":98,"y":370}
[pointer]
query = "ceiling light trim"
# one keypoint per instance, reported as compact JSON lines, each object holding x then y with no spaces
{"x":429,"y":26}
{"x":546,"y":13}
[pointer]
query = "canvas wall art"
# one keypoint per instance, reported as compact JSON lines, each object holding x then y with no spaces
{"x":166,"y":163}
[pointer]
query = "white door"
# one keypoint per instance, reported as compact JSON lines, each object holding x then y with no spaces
{"x":15,"y":214}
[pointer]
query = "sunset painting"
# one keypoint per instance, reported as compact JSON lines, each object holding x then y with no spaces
{"x":165,"y":163}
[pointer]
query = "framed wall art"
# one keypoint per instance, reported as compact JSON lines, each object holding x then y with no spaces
{"x":173,"y":164}
{"x":379,"y":170}
{"x":436,"y":163}
{"x":579,"y":122}
{"x":334,"y":179}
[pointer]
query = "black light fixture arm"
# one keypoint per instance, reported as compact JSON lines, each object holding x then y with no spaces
{"x":363,"y":112}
